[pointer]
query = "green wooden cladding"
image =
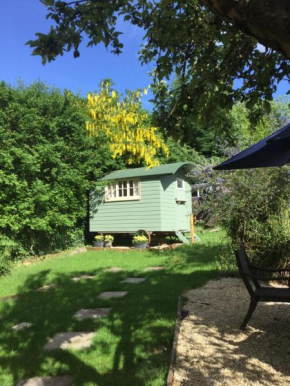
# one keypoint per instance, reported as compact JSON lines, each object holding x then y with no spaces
{"x":162,"y":206}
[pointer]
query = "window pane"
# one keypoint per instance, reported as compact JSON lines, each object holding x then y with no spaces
{"x":194,"y":193}
{"x":120,"y":184}
{"x":136,"y":188}
{"x":180,"y":184}
{"x":124,"y":189}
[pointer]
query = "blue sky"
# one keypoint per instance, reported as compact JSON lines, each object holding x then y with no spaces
{"x":21,"y":19}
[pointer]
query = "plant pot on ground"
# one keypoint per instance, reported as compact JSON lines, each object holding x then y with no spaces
{"x":99,"y":241}
{"x":140,"y":242}
{"x":141,"y":246}
{"x":109,"y":241}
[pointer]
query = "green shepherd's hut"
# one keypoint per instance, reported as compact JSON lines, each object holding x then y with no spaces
{"x":155,"y":201}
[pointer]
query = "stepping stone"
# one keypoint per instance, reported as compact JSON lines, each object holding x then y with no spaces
{"x":70,"y":340}
{"x":46,"y":287}
{"x":96,"y":313}
{"x":133,"y":280}
{"x":21,"y":326}
{"x":115,"y":269}
{"x":47,"y":381}
{"x":78,"y":278}
{"x":160,"y":247}
{"x":154,"y":269}
{"x":112,"y":294}
{"x":9,"y":297}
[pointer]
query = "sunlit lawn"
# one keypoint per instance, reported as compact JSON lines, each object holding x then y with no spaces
{"x":132,"y":346}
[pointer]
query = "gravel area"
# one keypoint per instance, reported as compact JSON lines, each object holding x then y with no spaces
{"x":211,"y":349}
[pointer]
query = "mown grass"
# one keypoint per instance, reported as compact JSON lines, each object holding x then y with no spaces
{"x":132,"y":346}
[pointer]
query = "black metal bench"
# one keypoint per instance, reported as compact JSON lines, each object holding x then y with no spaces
{"x":253,"y":279}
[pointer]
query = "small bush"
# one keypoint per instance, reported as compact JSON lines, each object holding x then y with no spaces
{"x":5,"y":265}
{"x":226,"y":258}
{"x":253,"y":208}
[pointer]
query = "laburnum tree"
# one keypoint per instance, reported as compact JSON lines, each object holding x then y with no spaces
{"x":212,"y":45}
{"x":125,"y":124}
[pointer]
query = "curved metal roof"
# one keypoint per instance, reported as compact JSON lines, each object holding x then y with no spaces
{"x":144,"y":172}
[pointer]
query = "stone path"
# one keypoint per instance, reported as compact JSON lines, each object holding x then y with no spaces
{"x":9,"y":297}
{"x":96,"y":313}
{"x":112,"y":294}
{"x":133,"y":280}
{"x":75,"y":340}
{"x":41,"y":289}
{"x":70,"y":340}
{"x":47,"y":381}
{"x":21,"y":326}
{"x":115,"y":269}
{"x":154,"y":269}
{"x":78,"y":278}
{"x":46,"y":287}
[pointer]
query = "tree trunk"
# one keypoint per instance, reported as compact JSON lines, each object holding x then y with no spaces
{"x":266,"y":20}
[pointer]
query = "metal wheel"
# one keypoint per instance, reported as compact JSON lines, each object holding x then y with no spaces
{"x":143,"y":232}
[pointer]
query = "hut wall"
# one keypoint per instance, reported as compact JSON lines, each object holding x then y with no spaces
{"x":131,"y":215}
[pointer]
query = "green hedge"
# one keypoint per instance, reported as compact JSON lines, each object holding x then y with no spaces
{"x":48,"y":165}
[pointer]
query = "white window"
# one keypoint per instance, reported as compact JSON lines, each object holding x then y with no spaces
{"x":180,"y":183}
{"x":196,"y":193}
{"x":123,"y":190}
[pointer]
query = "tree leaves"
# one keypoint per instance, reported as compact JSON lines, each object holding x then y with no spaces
{"x":217,"y":63}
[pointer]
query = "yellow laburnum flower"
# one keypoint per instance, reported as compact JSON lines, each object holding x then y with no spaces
{"x":124,"y":125}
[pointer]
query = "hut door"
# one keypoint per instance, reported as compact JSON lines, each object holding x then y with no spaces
{"x":181,"y":215}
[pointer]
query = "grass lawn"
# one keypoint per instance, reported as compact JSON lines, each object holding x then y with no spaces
{"x":132,"y":346}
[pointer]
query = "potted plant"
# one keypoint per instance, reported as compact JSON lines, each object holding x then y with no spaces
{"x":99,"y":241}
{"x":140,"y":241}
{"x":109,"y":240}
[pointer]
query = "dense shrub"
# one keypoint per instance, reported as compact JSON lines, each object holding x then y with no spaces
{"x":253,"y":207}
{"x":48,"y":165}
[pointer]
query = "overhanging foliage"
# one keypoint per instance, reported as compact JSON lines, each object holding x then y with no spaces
{"x":210,"y":44}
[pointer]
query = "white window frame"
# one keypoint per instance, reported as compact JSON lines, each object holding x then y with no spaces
{"x":115,"y":191}
{"x":178,"y":180}
{"x":198,"y":195}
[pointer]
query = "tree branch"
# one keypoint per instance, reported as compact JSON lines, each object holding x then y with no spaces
{"x":267,"y":21}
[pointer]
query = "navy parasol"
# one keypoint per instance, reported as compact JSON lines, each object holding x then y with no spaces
{"x":273,"y":150}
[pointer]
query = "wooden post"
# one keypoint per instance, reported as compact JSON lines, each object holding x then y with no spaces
{"x":192,"y":228}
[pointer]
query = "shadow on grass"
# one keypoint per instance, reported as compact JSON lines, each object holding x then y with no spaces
{"x":199,"y":254}
{"x":132,"y":346}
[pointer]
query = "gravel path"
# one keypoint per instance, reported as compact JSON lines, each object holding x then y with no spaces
{"x":212,"y":350}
